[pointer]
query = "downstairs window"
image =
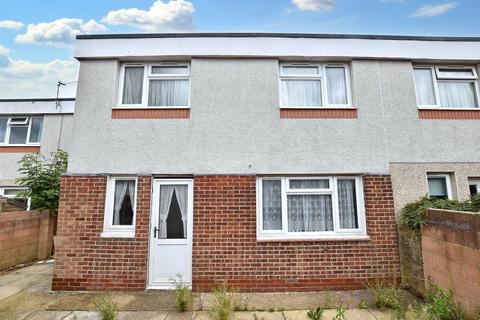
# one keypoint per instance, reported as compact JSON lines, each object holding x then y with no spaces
{"x":310,"y":207}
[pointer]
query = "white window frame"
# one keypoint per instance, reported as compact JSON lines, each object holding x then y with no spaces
{"x":322,"y":76}
{"x":474,"y":182}
{"x":2,"y":191}
{"x":28,"y":122}
{"x":446,"y":176}
{"x":110,"y":230}
{"x":436,"y":78}
{"x":147,"y":76}
{"x":336,"y":234}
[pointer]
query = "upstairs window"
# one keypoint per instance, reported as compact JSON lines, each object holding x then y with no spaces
{"x":439,"y":186}
{"x":304,"y":85}
{"x":310,"y":207}
{"x":449,"y":87}
{"x":20,"y":130}
{"x":162,"y":85}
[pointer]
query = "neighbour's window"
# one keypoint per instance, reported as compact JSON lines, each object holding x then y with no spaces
{"x":310,"y":207}
{"x":163,"y":85}
{"x":305,"y":85}
{"x":474,"y":185}
{"x":20,"y":130}
{"x":439,"y":186}
{"x":446,"y":87}
{"x":120,"y":207}
{"x":11,"y":192}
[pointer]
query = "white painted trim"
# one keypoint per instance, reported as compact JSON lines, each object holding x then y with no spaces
{"x":277,"y":47}
{"x":110,"y":230}
{"x":337,"y":233}
{"x":166,"y":285}
{"x":446,"y":176}
{"x":36,"y":107}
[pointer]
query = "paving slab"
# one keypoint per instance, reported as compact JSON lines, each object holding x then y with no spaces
{"x":203,"y":315}
{"x":380,"y":314}
{"x":83,"y":315}
{"x":172,"y":315}
{"x":142,"y":315}
{"x":249,"y":315}
{"x":48,"y":315}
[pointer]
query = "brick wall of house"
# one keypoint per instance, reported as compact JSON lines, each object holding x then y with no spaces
{"x":225,"y":245}
{"x":84,"y":260}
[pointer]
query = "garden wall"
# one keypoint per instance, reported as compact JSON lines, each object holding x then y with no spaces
{"x":451,"y":254}
{"x":25,"y":236}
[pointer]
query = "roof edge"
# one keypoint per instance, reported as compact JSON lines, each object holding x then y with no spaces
{"x":36,"y":99}
{"x":274,"y":35}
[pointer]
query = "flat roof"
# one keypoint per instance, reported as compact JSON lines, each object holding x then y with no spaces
{"x":36,"y":99}
{"x":275,"y":35}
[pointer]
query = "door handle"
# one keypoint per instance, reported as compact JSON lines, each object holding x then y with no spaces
{"x":155,"y":232}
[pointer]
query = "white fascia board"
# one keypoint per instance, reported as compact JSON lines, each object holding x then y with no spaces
{"x":278,"y":47}
{"x":36,"y":107}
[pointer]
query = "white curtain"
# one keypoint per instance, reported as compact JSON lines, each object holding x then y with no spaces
{"x":272,"y":204}
{"x":457,"y":94}
{"x":347,"y":204}
{"x":310,"y":213}
{"x":168,"y":93}
{"x":301,"y":93}
{"x":336,"y":85}
{"x":181,"y":193}
{"x":166,"y":194}
{"x":120,"y":193}
{"x":133,"y":85}
{"x":424,"y":87}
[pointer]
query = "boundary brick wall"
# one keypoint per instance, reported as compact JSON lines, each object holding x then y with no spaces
{"x":25,"y":236}
{"x":451,"y":254}
{"x":224,"y":242}
{"x":225,"y":247}
{"x":84,"y":260}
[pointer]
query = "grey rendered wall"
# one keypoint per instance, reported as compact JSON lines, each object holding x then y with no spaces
{"x":51,"y":131}
{"x":234,"y":127}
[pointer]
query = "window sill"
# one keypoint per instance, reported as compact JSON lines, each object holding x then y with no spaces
{"x":150,"y":113}
{"x":319,"y":113}
{"x":448,"y":114}
{"x":15,"y":148}
{"x":264,"y":238}
{"x":117,"y":234}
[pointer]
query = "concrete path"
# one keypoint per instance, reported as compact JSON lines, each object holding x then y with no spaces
{"x":26,"y":294}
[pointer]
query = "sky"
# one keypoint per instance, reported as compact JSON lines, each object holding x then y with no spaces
{"x":37,"y":38}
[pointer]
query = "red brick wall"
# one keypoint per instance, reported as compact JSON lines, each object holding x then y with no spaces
{"x":225,"y":245}
{"x":84,"y":260}
{"x":451,"y":254}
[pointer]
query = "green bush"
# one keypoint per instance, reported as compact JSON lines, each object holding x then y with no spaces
{"x":224,"y":303}
{"x":315,"y":314}
{"x":440,"y":305}
{"x":363,"y":304}
{"x":385,"y":294}
{"x":414,"y":214}
{"x":183,"y":295}
{"x":340,"y":313}
{"x":107,"y":308}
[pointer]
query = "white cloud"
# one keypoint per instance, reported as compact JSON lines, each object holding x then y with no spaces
{"x":176,"y":15}
{"x":58,"y":33}
{"x":433,"y":10}
{"x":10,"y":24}
{"x":26,"y":79}
{"x":314,"y":5}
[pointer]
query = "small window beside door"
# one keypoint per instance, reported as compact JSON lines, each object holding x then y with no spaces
{"x":439,"y":186}
{"x":120,"y":207}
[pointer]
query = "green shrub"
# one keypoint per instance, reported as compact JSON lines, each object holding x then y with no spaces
{"x":340,"y":313}
{"x":440,"y":304}
{"x":385,"y":294}
{"x":315,"y":314}
{"x":107,"y":308}
{"x":414,"y":214}
{"x":362,"y":304}
{"x":224,"y":303}
{"x":183,"y":295}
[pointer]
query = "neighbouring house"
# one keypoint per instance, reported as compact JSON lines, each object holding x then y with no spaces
{"x":270,"y":161}
{"x":40,"y":126}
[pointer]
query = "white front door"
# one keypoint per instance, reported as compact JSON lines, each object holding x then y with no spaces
{"x":171,"y":233}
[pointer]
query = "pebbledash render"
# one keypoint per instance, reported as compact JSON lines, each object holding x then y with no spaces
{"x":269,"y":161}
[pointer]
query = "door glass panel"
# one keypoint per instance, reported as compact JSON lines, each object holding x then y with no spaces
{"x":173,"y":212}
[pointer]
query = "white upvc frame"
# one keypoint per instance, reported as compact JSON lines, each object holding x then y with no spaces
{"x":109,"y":229}
{"x":147,"y":76}
{"x":474,"y":182}
{"x":27,"y":123}
{"x":18,"y":189}
{"x":448,"y":182}
{"x":322,"y":77}
{"x":337,"y":234}
{"x":434,"y":71}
